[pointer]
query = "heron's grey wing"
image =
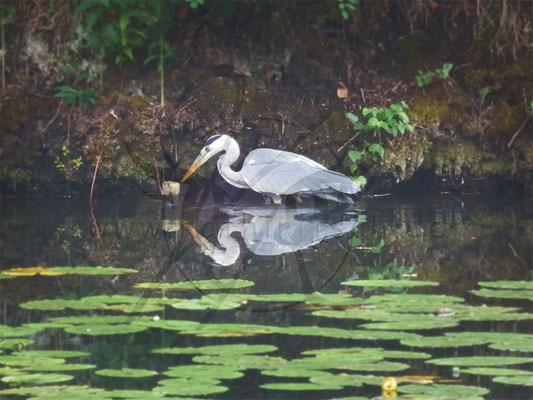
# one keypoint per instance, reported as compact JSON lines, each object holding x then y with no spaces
{"x":282,"y":172}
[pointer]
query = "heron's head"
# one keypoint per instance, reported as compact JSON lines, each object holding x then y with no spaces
{"x":213,"y":145}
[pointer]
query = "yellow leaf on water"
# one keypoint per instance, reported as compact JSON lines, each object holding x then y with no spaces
{"x":31,"y":271}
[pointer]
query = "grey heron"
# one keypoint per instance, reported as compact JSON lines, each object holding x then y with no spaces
{"x":274,"y":173}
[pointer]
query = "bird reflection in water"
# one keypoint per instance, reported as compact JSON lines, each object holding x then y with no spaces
{"x":273,"y":231}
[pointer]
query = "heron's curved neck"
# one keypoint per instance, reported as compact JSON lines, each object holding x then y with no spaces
{"x":224,"y":165}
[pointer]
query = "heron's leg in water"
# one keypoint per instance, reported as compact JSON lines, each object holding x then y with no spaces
{"x":276,"y":199}
{"x":298,"y":199}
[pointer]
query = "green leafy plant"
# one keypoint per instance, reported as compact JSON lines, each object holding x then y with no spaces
{"x":195,"y":3}
{"x":65,"y":164}
{"x":424,"y":78}
{"x":345,"y":5}
{"x":83,"y":97}
{"x":391,"y":120}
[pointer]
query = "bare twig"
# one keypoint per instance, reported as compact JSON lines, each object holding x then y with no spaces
{"x":53,"y":118}
{"x":94,"y":178}
{"x":518,"y":131}
{"x":516,"y":254}
{"x":348,"y":142}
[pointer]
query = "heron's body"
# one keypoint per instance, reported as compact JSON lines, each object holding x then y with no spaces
{"x":274,"y":173}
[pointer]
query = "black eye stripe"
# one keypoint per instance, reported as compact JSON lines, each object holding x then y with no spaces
{"x":211,"y":140}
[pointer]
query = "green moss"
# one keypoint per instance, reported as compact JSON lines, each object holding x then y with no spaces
{"x":431,"y":108}
{"x":137,"y":102}
{"x":404,"y":157}
{"x":453,"y":157}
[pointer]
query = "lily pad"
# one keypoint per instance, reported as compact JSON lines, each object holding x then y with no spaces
{"x":522,"y":380}
{"x":480,"y":361}
{"x":444,"y":341}
{"x":93,"y":270}
{"x":31,"y":271}
{"x":16,"y":360}
{"x":204,"y":371}
{"x":17,"y":344}
{"x":52,"y":354}
{"x":98,"y":320}
{"x":60,"y":367}
{"x":428,"y":323}
{"x":496,"y":371}
{"x":390,"y":283}
{"x":525,"y":345}
{"x":347,"y":380}
{"x":56,"y":392}
{"x":188,"y":387}
{"x":293,"y":372}
{"x":504,"y":294}
{"x":244,"y":361}
{"x":223,"y":349}
{"x":524,"y":285}
{"x":208,"y":284}
{"x":98,"y":330}
{"x":446,"y":391}
{"x":36,"y":379}
{"x":126,"y":373}
{"x":5,"y":276}
{"x":299,"y":386}
{"x":11,"y":332}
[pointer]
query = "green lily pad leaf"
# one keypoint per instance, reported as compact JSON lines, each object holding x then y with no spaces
{"x":428,"y":323}
{"x":97,"y":330}
{"x":126,"y":373}
{"x":281,"y":297}
{"x":52,"y":354}
{"x":215,"y":372}
{"x":244,"y":361}
{"x":293,"y":372}
{"x":493,"y":337}
{"x":504,"y":294}
{"x":93,"y":270}
{"x":413,"y":303}
{"x":172,"y":325}
{"x":522,"y":380}
{"x":140,"y":307}
{"x":444,"y":391}
{"x":45,"y":325}
{"x":347,"y":380}
{"x":56,"y":392}
{"x":11,"y":371}
{"x":342,"y":333}
{"x":208,"y":284}
{"x":6,"y":276}
{"x":333,"y":299}
{"x":188,"y":387}
{"x":525,"y":285}
{"x":216,"y":302}
{"x":223,"y":349}
{"x":228,"y":330}
{"x":60,"y":367}
{"x":17,"y":360}
{"x":60,"y":304}
{"x":480,"y":361}
{"x":135,"y":394}
{"x":525,"y":345}
{"x":11,"y":332}
{"x":17,"y":344}
{"x":496,"y":371}
{"x":367,"y":353}
{"x":98,"y":320}
{"x":444,"y":341}
{"x":36,"y":379}
{"x":390,"y":283}
{"x":299,"y":386}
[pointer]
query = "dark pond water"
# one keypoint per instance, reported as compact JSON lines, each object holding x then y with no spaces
{"x":310,"y":301}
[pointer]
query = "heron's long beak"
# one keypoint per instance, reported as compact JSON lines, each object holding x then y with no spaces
{"x":205,"y":246}
{"x":201,"y":159}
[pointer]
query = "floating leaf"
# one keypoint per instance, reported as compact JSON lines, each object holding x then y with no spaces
{"x":188,"y":387}
{"x":528,"y":285}
{"x":17,"y":344}
{"x":480,"y":361}
{"x":230,"y":349}
{"x":36,"y":379}
{"x":61,"y":367}
{"x":455,"y":392}
{"x":126,"y":373}
{"x":97,"y":330}
{"x":427,"y":323}
{"x":93,"y":270}
{"x":345,"y":380}
{"x":52,"y":354}
{"x":208,"y":284}
{"x":10,"y":332}
{"x":17,"y":360}
{"x":496,"y":371}
{"x":56,"y":392}
{"x":204,"y":371}
{"x":504,"y":294}
{"x":444,"y":341}
{"x":299,"y":386}
{"x":31,"y":271}
{"x":11,"y":371}
{"x":244,"y":361}
{"x":289,"y":371}
{"x":368,"y":353}
{"x":522,"y":380}
{"x":524,"y":345}
{"x":172,"y":325}
{"x":98,"y":320}
{"x":390,"y":283}
{"x":4,"y":276}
